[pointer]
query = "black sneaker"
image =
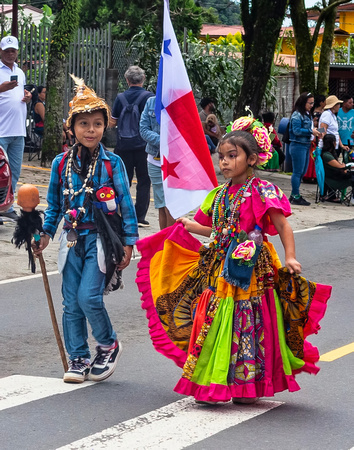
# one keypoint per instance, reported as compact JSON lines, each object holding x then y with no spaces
{"x":105,"y":361}
{"x":291,"y":198}
{"x":10,"y":215}
{"x":300,"y":201}
{"x":143,"y":223}
{"x":79,"y":369}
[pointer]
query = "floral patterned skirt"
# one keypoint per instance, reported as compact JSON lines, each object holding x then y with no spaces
{"x":229,"y":342}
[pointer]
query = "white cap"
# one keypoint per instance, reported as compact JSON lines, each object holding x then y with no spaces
{"x":9,"y":42}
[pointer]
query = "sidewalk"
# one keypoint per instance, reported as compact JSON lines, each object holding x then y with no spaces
{"x":15,"y":262}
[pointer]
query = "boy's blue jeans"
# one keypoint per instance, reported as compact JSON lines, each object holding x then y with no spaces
{"x":82,"y":289}
{"x":300,"y":158}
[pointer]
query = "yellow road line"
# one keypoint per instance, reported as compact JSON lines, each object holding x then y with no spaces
{"x":36,"y":167}
{"x":337,"y":353}
{"x":38,"y":185}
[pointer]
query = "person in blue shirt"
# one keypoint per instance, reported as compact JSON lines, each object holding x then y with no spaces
{"x":85,"y":182}
{"x":345,"y":118}
{"x":150,"y":132}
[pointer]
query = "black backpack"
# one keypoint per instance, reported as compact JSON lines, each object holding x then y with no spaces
{"x":286,"y":135}
{"x":128,"y":135}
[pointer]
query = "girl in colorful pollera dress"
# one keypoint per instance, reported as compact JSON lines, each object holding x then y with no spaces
{"x":229,"y":314}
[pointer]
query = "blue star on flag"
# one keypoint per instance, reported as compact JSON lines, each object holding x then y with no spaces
{"x":166,"y":44}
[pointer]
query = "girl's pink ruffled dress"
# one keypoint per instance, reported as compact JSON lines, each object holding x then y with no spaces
{"x":230,"y":342}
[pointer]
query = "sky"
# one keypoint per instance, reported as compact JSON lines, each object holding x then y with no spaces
{"x":308,"y":4}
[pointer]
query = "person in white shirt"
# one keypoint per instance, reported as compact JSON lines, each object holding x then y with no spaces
{"x":13,"y":111}
{"x":328,"y":121}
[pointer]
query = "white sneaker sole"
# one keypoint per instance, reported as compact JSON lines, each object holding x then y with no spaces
{"x":109,"y":372}
{"x":74,"y":378}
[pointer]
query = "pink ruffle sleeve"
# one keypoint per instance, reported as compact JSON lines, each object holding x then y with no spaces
{"x":266,"y":196}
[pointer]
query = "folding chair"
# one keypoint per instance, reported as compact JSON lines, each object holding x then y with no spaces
{"x":329,"y":189}
{"x":33,"y":142}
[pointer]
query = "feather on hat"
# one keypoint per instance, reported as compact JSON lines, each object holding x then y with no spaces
{"x":85,"y":100}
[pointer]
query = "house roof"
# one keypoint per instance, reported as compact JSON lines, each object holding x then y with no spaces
{"x":313,"y":14}
{"x":28,"y":10}
{"x":220,"y":30}
{"x":216,"y":30}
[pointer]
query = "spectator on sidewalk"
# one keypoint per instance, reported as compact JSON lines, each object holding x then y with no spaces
{"x":38,"y":106}
{"x":300,"y":132}
{"x":150,"y":132}
{"x":328,"y":121}
{"x":212,"y":128}
{"x":130,"y":146}
{"x":13,"y":111}
{"x":345,"y":120}
{"x":208,"y":107}
{"x":269,"y":122}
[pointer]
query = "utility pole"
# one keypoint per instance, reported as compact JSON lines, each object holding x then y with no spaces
{"x":14,"y":26}
{"x":2,"y":20}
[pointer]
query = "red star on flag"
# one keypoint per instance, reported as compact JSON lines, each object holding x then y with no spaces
{"x":169,"y":168}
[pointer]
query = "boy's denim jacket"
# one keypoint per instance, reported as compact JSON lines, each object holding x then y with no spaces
{"x":300,"y":128}
{"x":149,"y":128}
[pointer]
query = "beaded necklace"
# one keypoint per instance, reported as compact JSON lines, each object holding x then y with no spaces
{"x":224,"y":226}
{"x":69,"y":193}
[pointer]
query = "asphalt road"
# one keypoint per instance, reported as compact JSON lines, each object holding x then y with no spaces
{"x":320,"y":416}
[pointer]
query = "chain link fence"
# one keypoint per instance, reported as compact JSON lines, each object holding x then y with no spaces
{"x":122,"y":58}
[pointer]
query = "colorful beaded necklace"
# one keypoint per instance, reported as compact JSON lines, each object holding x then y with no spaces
{"x":226,"y":216}
{"x":69,"y":193}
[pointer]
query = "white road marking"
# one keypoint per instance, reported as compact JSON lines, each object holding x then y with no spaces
{"x":309,"y":229}
{"x":172,"y":427}
{"x":27,"y":277}
{"x":19,"y":389}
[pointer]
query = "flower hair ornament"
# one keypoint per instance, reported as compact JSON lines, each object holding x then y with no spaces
{"x":258,"y":131}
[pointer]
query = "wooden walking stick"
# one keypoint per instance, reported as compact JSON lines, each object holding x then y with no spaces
{"x":29,"y":225}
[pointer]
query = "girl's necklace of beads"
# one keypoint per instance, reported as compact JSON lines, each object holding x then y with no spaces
{"x":223,"y":228}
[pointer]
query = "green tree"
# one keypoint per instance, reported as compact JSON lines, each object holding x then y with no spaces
{"x":228,"y":12}
{"x":64,"y":26}
{"x":215,"y":71}
{"x":129,"y":17}
{"x":262,"y":21}
{"x":306,"y":43}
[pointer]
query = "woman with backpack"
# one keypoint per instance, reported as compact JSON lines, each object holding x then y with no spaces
{"x":300,"y":133}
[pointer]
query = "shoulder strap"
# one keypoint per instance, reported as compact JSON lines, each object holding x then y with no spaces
{"x":123,"y":99}
{"x":138,"y":100}
{"x":108,"y":165}
{"x":141,"y":97}
{"x":61,"y":166}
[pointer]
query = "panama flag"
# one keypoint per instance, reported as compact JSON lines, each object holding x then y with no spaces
{"x":187,"y":169}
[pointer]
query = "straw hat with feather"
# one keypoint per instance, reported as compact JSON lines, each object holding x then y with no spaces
{"x":85,"y":100}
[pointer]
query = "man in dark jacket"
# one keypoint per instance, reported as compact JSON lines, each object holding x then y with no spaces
{"x":132,"y":149}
